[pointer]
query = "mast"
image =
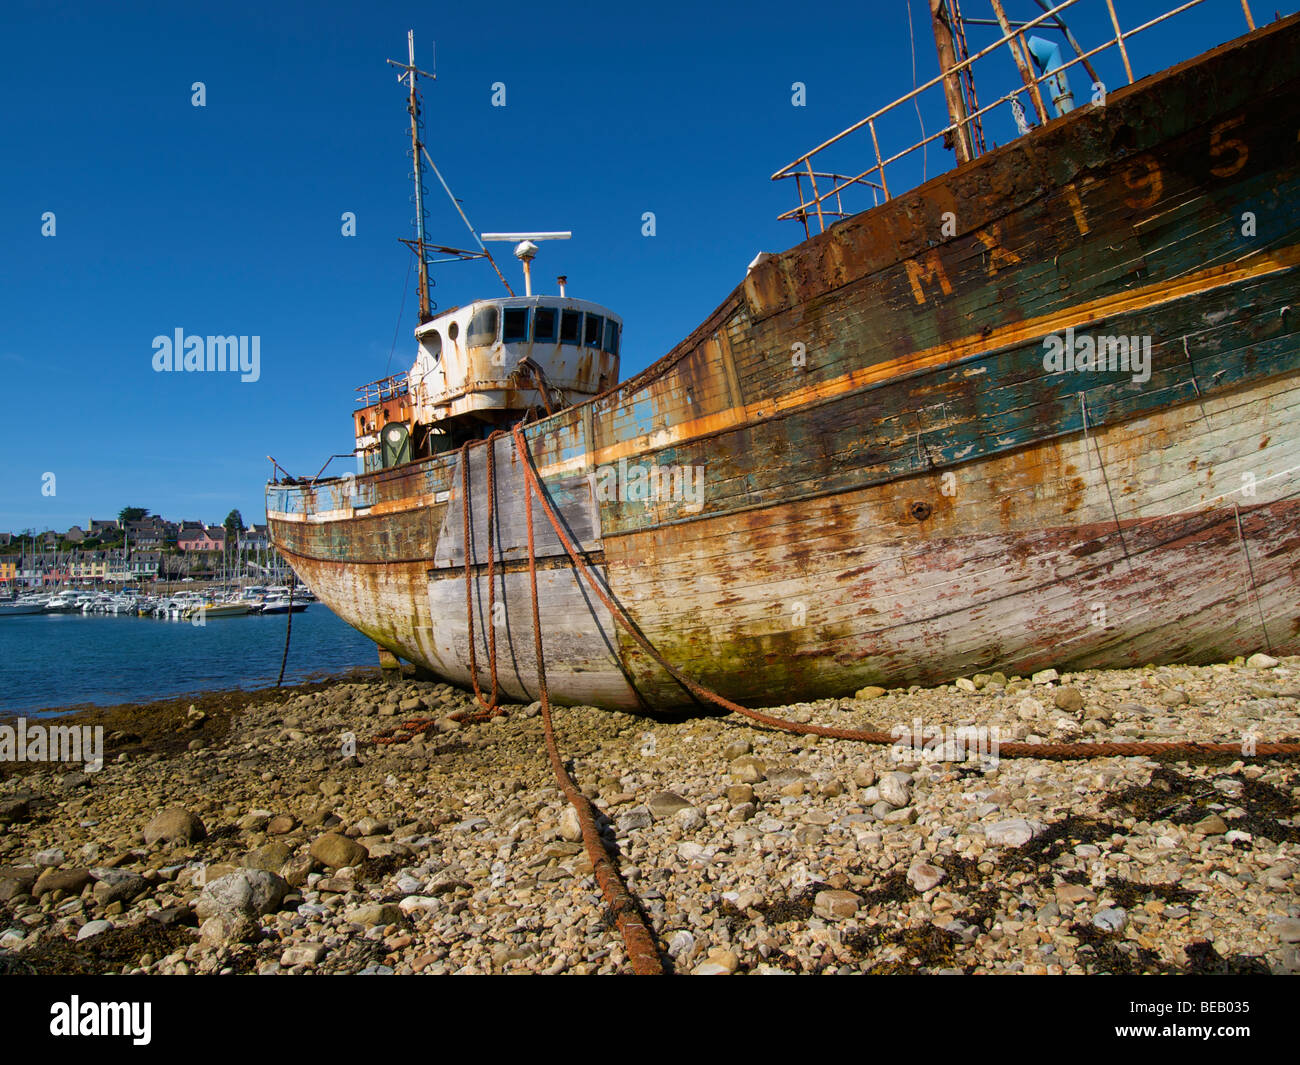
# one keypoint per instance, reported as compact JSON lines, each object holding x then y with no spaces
{"x":410,"y":73}
{"x":420,"y":155}
{"x":1015,"y":42}
{"x":951,"y":81}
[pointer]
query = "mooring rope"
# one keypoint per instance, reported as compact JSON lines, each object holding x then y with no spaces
{"x":640,"y":944}
{"x":488,"y":706}
{"x":1011,"y":750}
{"x":288,"y":628}
{"x":638,"y":939}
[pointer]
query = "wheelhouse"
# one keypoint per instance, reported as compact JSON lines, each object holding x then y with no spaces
{"x":483,"y":367}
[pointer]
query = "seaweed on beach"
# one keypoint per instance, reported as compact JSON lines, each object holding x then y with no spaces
{"x":109,"y":951}
{"x":893,"y":888}
{"x":864,"y":941}
{"x":735,"y":917}
{"x":165,"y":726}
{"x":1129,"y":893}
{"x":12,"y":964}
{"x":1167,"y":796}
{"x":1111,"y":953}
{"x":358,"y":954}
{"x":384,"y":866}
{"x":1051,"y":843}
{"x":924,"y":947}
{"x":1204,"y":960}
{"x":963,"y":876}
{"x":779,"y":959}
{"x":959,"y":871}
{"x":1185,"y":800}
{"x":1265,"y":808}
{"x":797,"y":907}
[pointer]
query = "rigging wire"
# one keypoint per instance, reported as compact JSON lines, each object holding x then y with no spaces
{"x":925,"y":148}
{"x":400,"y":311}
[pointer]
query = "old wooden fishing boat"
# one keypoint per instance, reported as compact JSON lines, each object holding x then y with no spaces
{"x":1040,"y":410}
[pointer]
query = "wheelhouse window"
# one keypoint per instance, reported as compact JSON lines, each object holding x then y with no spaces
{"x":546,"y":324}
{"x":571,"y":327}
{"x":514,"y":325}
{"x":595,"y":328}
{"x":433,"y":344}
{"x":483,"y":327}
{"x":611,"y":336}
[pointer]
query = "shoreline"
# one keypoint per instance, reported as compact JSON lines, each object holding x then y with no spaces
{"x":64,"y":664}
{"x":267,"y":831}
{"x":72,"y":712}
{"x":156,"y":727}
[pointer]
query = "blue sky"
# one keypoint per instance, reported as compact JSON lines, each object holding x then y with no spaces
{"x":225,"y":219}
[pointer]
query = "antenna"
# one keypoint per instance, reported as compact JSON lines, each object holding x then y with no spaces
{"x":421,"y":246}
{"x":410,"y":73}
{"x":526,"y":249}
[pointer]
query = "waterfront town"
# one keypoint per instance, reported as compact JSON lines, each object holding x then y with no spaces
{"x":135,"y":547}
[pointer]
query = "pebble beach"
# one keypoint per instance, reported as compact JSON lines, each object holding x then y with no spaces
{"x":355,"y":826}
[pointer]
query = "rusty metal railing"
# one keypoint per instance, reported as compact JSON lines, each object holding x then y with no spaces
{"x":842,"y":181}
{"x":385,"y":388}
{"x":822,"y":203}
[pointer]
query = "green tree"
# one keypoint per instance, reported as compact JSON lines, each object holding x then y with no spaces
{"x":132,"y":514}
{"x":234,"y":525}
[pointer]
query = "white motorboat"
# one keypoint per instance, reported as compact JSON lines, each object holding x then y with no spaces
{"x":61,"y":603}
{"x":277,"y":601}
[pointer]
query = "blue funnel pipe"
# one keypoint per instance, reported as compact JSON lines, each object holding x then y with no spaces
{"x":1048,"y":57}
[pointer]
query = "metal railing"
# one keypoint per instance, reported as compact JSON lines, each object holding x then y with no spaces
{"x":822,"y":203}
{"x":385,"y":388}
{"x":826,"y":211}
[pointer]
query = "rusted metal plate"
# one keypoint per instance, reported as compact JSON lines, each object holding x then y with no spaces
{"x":572,"y":493}
{"x":581,"y":639}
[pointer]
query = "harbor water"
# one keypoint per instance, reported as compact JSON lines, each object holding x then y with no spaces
{"x":49,"y":661}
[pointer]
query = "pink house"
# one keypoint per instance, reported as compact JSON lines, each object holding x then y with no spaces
{"x":197,"y":538}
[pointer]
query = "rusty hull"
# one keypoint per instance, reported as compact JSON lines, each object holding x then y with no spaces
{"x":897,"y":487}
